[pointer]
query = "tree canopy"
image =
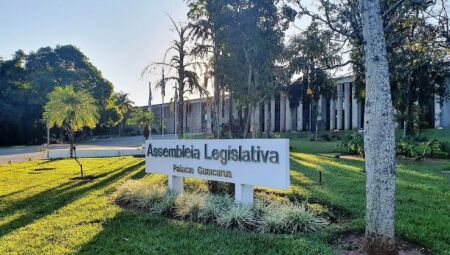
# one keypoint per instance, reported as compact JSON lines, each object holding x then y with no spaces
{"x":70,"y":109}
{"x":26,"y":79}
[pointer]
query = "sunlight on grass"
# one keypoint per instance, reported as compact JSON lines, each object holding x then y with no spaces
{"x":61,"y":219}
{"x":43,"y":212}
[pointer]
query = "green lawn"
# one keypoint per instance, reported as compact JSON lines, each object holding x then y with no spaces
{"x":43,"y":212}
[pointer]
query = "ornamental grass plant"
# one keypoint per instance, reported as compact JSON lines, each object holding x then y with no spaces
{"x":290,"y":218}
{"x":264,"y":216}
{"x":237,"y":216}
{"x":214,"y":206}
{"x":189,"y":205}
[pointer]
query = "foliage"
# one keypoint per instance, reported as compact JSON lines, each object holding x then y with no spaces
{"x":71,"y":110}
{"x":111,"y":115}
{"x":26,"y":79}
{"x":311,"y":54}
{"x":189,"y":205}
{"x":430,"y":148}
{"x":271,"y":216}
{"x":182,"y":70}
{"x":290,"y":219}
{"x":352,"y":144}
{"x":29,"y":223}
{"x":214,"y":206}
{"x":417,"y":44}
{"x":150,"y":198}
{"x":140,"y":117}
{"x":406,"y":147}
{"x":243,"y":40}
{"x":237,"y":216}
{"x":129,"y":192}
{"x":444,"y":147}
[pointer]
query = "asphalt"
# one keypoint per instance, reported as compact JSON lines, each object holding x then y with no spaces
{"x":25,"y":153}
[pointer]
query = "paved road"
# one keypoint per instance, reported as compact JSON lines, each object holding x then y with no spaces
{"x":24,"y":153}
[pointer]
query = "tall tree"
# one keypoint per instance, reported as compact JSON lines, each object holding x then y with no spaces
{"x":247,"y":39}
{"x":203,"y":15}
{"x":26,"y":79}
{"x":409,"y":26}
{"x":379,"y":140}
{"x":142,"y":119}
{"x":182,"y":65}
{"x":311,"y":54}
{"x":71,"y":110}
{"x":124,"y":105}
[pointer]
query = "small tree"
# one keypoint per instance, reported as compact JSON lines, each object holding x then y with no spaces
{"x":71,"y":110}
{"x":143,"y":119}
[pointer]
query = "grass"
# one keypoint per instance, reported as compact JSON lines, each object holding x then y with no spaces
{"x":43,"y":212}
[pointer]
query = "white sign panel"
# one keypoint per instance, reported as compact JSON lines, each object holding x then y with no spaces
{"x":262,"y":162}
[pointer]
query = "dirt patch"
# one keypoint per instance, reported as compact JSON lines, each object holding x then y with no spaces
{"x":352,"y":244}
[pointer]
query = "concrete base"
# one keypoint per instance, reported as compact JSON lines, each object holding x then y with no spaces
{"x":243,"y":194}
{"x":176,"y":184}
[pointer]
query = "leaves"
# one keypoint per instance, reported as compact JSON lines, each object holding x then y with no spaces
{"x":70,"y":109}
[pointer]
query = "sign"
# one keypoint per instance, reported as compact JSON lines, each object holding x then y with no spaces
{"x":262,"y":162}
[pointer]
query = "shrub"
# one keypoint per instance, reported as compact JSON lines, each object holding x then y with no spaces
{"x":326,"y":137}
{"x":290,"y":219}
{"x":237,"y":216}
{"x":352,"y":144}
{"x":189,"y":205}
{"x":260,"y":208}
{"x":430,"y":148}
{"x":153,"y":195}
{"x":406,"y":147}
{"x":166,"y":205}
{"x":444,"y":147}
{"x":128,"y":192}
{"x":268,"y":216}
{"x":214,"y":206}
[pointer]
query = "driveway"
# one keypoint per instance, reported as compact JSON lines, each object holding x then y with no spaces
{"x":25,"y":153}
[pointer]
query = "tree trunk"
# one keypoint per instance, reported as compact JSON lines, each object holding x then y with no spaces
{"x":247,"y":120}
{"x":215,"y":109}
{"x":215,"y":115}
{"x":310,"y":128}
{"x":239,"y":121}
{"x":230,"y":116}
{"x":409,"y":120}
{"x":180,"y":116}
{"x":318,"y":121}
{"x":71,"y":146}
{"x":253,"y":128}
{"x":379,"y":142}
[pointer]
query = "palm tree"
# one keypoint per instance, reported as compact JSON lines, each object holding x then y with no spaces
{"x":180,"y":62}
{"x":206,"y":45}
{"x":71,"y":110}
{"x":142,"y":119}
{"x":125,"y":105}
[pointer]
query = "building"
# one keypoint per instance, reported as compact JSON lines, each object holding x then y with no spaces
{"x":344,"y":112}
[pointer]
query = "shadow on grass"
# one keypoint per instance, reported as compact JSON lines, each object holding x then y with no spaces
{"x":342,"y":186}
{"x":45,"y":203}
{"x":133,"y":232}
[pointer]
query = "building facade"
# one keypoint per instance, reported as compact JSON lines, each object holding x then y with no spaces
{"x":342,"y":112}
